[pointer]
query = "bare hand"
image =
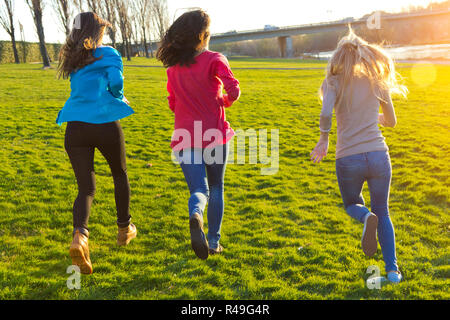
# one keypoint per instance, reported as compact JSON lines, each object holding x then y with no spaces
{"x":320,"y":151}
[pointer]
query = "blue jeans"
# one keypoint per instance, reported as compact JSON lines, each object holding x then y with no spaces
{"x":206,"y":185}
{"x":375,"y":168}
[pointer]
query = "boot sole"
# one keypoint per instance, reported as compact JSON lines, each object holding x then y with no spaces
{"x":79,"y":259}
{"x":198,"y":240}
{"x":369,"y":238}
{"x":126,"y":241}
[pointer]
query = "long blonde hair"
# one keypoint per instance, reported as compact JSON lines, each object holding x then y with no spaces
{"x":355,"y":57}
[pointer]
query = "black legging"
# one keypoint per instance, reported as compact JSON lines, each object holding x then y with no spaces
{"x":80,"y":142}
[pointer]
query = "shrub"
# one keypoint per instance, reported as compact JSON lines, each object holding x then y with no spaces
{"x":28,"y":52}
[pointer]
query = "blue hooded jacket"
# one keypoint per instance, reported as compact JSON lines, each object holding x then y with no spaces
{"x":97,"y":91}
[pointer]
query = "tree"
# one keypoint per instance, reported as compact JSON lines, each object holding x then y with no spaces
{"x":23,"y":44}
{"x":36,"y":9}
{"x":129,"y":28}
{"x":160,"y":16}
{"x":135,"y":33}
{"x":79,"y":4}
{"x":111,"y":15}
{"x":64,"y":10}
{"x":124,"y":25}
{"x":149,"y":27}
{"x":143,"y":13}
{"x":95,"y":6}
{"x":7,"y":22}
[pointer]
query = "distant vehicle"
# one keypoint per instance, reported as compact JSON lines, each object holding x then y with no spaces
{"x":231,"y":32}
{"x":270,"y":27}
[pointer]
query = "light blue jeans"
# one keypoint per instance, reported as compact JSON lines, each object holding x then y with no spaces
{"x":375,"y":168}
{"x":206,"y":185}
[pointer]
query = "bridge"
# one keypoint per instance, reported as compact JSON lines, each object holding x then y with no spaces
{"x":284,"y":34}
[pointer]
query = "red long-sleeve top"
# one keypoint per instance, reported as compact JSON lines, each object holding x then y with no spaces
{"x":196,"y":98}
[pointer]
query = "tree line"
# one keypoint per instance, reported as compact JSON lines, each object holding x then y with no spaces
{"x":134,"y":22}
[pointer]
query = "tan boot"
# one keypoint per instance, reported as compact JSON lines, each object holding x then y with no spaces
{"x":79,"y":251}
{"x":126,"y":234}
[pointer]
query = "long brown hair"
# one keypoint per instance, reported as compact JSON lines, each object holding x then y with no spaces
{"x":354,"y":57}
{"x":86,"y":35}
{"x":179,"y":45}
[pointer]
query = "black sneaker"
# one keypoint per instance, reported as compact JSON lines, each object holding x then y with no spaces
{"x":198,"y":238}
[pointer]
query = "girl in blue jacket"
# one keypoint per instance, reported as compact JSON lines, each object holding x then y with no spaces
{"x":92,"y":113}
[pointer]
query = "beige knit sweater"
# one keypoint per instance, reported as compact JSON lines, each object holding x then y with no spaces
{"x":356,"y":117}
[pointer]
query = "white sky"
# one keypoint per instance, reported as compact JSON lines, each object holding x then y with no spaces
{"x":227,"y":15}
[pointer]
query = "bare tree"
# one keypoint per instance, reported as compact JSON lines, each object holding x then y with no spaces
{"x":64,"y":10}
{"x":143,"y":14}
{"x":160,"y":16}
{"x":129,"y":29}
{"x":124,"y":25}
{"x":36,"y":7}
{"x":95,"y":6}
{"x":79,"y":4}
{"x":23,"y":44}
{"x":135,"y":32}
{"x":148,"y":25}
{"x":111,"y":15}
{"x":7,"y":22}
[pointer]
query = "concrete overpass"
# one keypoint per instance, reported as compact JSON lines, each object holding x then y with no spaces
{"x":284,"y":34}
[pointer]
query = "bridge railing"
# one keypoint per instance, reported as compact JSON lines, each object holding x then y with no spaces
{"x":332,"y":23}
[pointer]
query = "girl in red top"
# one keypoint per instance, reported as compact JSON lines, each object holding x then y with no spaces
{"x":196,"y":79}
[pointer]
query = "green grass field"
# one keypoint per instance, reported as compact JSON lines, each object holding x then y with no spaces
{"x":286,"y":236}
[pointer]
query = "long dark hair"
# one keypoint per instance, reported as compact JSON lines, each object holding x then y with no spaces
{"x":86,"y":35}
{"x":179,"y":45}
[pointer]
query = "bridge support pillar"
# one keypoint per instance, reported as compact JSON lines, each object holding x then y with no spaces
{"x":286,"y":47}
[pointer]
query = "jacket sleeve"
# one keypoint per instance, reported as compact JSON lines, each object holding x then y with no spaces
{"x":329,"y":100}
{"x":223,"y":71}
{"x":115,"y":76}
{"x":171,"y":97}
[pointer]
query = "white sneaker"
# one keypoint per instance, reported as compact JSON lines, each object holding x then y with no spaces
{"x":394,"y":276}
{"x":369,"y":236}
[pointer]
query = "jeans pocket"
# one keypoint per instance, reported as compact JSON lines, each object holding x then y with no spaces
{"x":380,"y":163}
{"x":355,"y":160}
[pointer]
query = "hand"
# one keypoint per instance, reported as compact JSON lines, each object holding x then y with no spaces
{"x":320,"y":151}
{"x":126,"y":100}
{"x":226,"y":101}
